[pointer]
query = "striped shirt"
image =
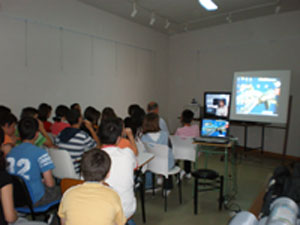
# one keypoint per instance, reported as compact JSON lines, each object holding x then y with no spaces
{"x":76,"y":146}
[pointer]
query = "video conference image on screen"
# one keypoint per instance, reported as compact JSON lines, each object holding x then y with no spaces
{"x":257,"y":95}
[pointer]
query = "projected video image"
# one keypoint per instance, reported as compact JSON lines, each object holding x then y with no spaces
{"x":257,"y":95}
{"x":217,"y":104}
{"x":214,"y":128}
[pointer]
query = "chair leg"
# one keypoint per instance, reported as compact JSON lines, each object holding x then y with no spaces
{"x":221,"y":198}
{"x":179,"y":188}
{"x":196,"y":196}
{"x":142,"y":193}
{"x":153,"y":184}
{"x":165,"y":194}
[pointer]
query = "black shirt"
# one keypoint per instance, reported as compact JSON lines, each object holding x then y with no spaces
{"x":5,"y":179}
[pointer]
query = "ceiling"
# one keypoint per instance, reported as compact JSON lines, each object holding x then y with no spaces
{"x":187,"y":15}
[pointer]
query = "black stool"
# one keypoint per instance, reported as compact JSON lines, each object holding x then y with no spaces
{"x":210,"y":180}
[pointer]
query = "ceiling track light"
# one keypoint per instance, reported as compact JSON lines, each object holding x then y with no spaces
{"x":209,"y":5}
{"x":186,"y":28}
{"x":134,"y":10}
{"x":167,"y":24}
{"x":152,"y":19}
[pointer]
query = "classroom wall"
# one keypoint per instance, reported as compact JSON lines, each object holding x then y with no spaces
{"x":63,"y":51}
{"x":205,"y":60}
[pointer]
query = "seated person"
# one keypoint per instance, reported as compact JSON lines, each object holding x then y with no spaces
{"x":76,"y":106}
{"x":8,"y":213}
{"x":187,"y":131}
{"x":91,"y":115}
{"x":60,"y":120}
{"x":222,"y":108}
{"x":8,"y":123}
{"x":135,"y":119}
{"x":153,"y":134}
{"x":154,"y":108}
{"x":44,"y":115}
{"x":43,"y":137}
{"x":92,"y":202}
{"x":74,"y":140}
{"x":33,"y":164}
{"x":123,"y":163}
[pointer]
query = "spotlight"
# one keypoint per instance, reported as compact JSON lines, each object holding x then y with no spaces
{"x":167,"y":24}
{"x":229,"y":19}
{"x":152,"y":19}
{"x":277,"y":9}
{"x":134,"y":10}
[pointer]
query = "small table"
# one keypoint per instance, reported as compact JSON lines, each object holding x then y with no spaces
{"x":214,"y":148}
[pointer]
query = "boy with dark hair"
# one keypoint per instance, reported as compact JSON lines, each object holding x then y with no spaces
{"x":43,"y":137}
{"x":123,"y":164}
{"x":74,"y":140}
{"x":30,"y":162}
{"x":8,"y":123}
{"x":92,"y":202}
{"x":187,"y":131}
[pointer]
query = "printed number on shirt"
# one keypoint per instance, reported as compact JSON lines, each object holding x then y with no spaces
{"x":23,"y":164}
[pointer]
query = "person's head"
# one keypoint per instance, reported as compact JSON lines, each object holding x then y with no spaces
{"x":91,"y":114}
{"x":153,"y":107}
{"x":187,"y":116}
{"x":221,"y":103}
{"x":28,"y":128}
{"x":132,"y":108}
{"x":4,"y":110}
{"x":29,"y":112}
{"x":74,"y":117}
{"x":95,"y":165}
{"x":8,"y":123}
{"x":110,"y":131}
{"x":61,"y":113}
{"x":76,"y":106}
{"x":108,"y":113}
{"x":44,"y":111}
{"x":2,"y":157}
{"x":151,"y":123}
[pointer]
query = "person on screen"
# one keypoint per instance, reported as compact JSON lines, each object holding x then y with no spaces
{"x":222,"y":108}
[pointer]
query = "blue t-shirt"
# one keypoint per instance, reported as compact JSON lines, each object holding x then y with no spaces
{"x":29,"y":162}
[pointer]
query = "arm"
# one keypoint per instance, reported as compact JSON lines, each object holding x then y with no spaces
{"x":7,"y":202}
{"x":89,"y":126}
{"x":129,"y":134}
{"x":48,"y":179}
{"x":48,"y":141}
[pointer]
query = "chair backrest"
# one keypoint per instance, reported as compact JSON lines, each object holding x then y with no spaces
{"x":64,"y":167}
{"x":183,"y":149}
{"x":21,"y":194}
{"x":159,"y":164}
{"x":66,"y":183}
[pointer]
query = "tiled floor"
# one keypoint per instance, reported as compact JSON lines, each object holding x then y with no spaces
{"x":253,"y":172}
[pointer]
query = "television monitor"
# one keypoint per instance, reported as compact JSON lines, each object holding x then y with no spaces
{"x":260,"y":96}
{"x":214,"y":128}
{"x":217,"y":104}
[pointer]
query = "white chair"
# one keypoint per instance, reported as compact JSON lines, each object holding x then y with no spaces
{"x":183,"y":149}
{"x":159,"y":165}
{"x":64,"y":167}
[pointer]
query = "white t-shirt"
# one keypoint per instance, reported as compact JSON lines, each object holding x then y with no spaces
{"x":222,"y":111}
{"x":121,"y":178}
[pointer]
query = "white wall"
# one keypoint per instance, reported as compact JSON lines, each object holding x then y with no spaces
{"x":205,"y":60}
{"x":63,"y":51}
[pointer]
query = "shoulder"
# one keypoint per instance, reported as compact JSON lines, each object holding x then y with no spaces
{"x":5,"y":179}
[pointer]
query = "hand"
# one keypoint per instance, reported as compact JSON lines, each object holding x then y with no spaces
{"x":128,"y":132}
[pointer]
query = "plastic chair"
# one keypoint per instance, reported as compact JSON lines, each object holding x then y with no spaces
{"x":159,"y":165}
{"x":64,"y":167}
{"x":183,"y":149}
{"x":22,"y":199}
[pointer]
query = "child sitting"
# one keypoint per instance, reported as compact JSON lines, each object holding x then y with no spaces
{"x":187,"y":131}
{"x":92,"y":203}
